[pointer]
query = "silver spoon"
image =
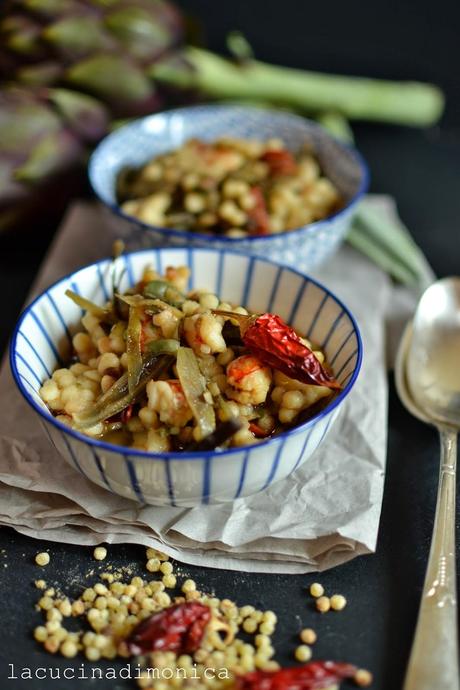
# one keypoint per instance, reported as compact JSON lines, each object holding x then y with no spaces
{"x":428,"y":383}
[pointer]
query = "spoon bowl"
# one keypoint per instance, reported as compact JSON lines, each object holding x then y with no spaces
{"x":433,"y":354}
{"x":402,"y":386}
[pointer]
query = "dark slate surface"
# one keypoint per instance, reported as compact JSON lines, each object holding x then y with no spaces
{"x":421,"y":169}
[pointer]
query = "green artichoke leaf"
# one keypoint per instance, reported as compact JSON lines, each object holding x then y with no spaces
{"x":42,"y":74}
{"x":110,"y":77}
{"x":25,"y":41}
{"x":84,"y":114}
{"x":138,"y":30}
{"x":52,"y":7}
{"x":50,"y":155}
{"x":77,"y":35}
{"x":23,"y":121}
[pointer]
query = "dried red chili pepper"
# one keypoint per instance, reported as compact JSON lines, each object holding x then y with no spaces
{"x":258,"y":220}
{"x":278,"y":346}
{"x":179,"y":629}
{"x":313,"y":676}
{"x":280,"y":162}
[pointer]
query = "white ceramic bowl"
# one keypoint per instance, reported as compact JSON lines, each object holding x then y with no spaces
{"x":41,"y":342}
{"x":137,"y":142}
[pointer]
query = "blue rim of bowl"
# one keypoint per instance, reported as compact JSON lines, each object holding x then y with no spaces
{"x":199,"y":236}
{"x":185,"y":455}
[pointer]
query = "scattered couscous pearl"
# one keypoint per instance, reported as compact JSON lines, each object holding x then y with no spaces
{"x":323,"y":604}
{"x":53,"y":615}
{"x":45,"y":603}
{"x":363,"y":678}
{"x":316,"y":590}
{"x":169,"y":581}
{"x":267,"y":628}
{"x":40,"y":584}
{"x":303,"y":653}
{"x":89,"y":594}
{"x":42,"y":558}
{"x":40,"y":633}
{"x":249,"y":625}
{"x":191,"y":596}
{"x":52,"y":626}
{"x":246,"y":611}
{"x":153,"y":565}
{"x":65,"y":608}
{"x":338,"y":602}
{"x":78,"y":608}
{"x":100,"y":553}
{"x":189,"y":586}
{"x":270,"y":617}
{"x":166,"y":568}
{"x":154,"y":553}
{"x":262,"y":640}
{"x":92,"y":653}
{"x":308,"y":636}
{"x":69,"y":649}
{"x":51,"y":644}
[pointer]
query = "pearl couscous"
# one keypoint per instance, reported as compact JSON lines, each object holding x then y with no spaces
{"x":308,"y":636}
{"x":100,"y":553}
{"x":316,"y":590}
{"x":323,"y":604}
{"x":234,"y":187}
{"x":338,"y":602}
{"x":236,"y":640}
{"x":162,"y":369}
{"x":42,"y":558}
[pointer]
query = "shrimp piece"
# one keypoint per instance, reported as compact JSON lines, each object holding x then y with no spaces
{"x":168,"y":400}
{"x":249,"y":380}
{"x":203,"y":333}
{"x":168,"y":322}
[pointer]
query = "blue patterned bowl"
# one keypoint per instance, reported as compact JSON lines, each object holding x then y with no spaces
{"x":41,"y":342}
{"x":137,"y":142}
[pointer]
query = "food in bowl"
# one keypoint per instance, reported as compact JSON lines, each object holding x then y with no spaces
{"x":161,"y":369}
{"x":233,"y":187}
{"x":42,"y":343}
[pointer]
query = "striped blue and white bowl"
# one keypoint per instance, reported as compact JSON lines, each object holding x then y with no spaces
{"x":137,"y":142}
{"x":41,"y":343}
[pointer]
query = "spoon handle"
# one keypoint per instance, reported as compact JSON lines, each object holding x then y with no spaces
{"x":433,"y":662}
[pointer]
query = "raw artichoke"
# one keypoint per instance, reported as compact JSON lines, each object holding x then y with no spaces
{"x":67,"y":68}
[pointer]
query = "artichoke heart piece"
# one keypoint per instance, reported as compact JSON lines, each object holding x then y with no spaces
{"x":194,"y":386}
